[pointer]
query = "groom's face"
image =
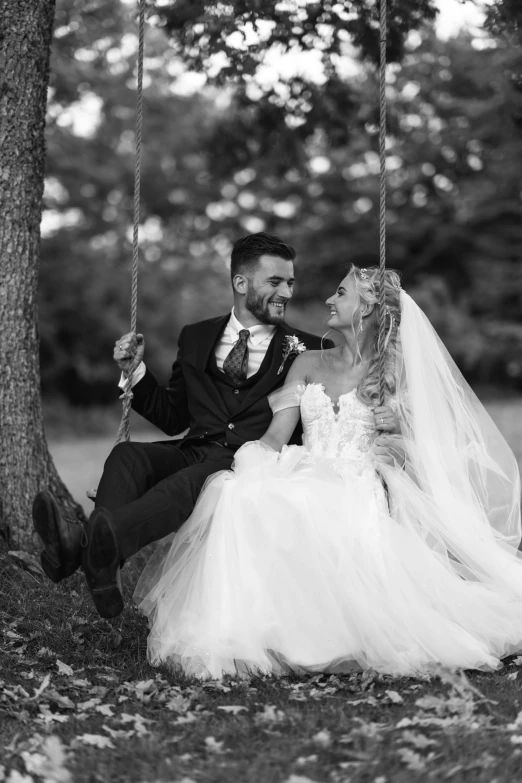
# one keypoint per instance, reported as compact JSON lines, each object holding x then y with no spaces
{"x":269,"y":289}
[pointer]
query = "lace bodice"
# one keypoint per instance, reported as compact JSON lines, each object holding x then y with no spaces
{"x":347,"y":434}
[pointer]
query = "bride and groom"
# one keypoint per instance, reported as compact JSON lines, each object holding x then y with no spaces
{"x":277,"y":556}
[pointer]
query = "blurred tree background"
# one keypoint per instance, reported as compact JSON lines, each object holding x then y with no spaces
{"x":263,"y":116}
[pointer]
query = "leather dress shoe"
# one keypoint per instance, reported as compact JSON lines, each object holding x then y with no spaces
{"x":61,"y":536}
{"x":101,"y":564}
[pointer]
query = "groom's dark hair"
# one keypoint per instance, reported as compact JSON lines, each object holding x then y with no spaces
{"x":247,"y":251}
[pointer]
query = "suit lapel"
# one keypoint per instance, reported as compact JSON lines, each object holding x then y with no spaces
{"x":207,"y":340}
{"x":270,"y":377}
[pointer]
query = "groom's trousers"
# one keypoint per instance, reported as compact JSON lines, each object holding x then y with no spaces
{"x":152,"y":488}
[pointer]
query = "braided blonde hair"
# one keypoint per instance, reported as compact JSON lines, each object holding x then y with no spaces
{"x":367,"y":290}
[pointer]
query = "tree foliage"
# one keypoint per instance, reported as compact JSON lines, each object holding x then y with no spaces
{"x":296,"y":156}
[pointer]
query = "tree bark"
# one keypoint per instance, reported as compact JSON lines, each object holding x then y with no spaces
{"x":25,"y":463}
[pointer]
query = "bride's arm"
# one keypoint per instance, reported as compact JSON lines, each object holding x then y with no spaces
{"x":285,"y":404}
{"x":281,"y":428}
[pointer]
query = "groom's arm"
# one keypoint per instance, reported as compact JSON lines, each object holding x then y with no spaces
{"x":164,"y":406}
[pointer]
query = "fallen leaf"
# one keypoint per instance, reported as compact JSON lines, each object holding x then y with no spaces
{"x":453,"y":771}
{"x":234,"y":709}
{"x":517,"y":724}
{"x":81,"y":683}
{"x":178,"y":703}
{"x":46,"y":716}
{"x":417,"y":740}
{"x":17,"y":777}
{"x":322,"y":738}
{"x":371,"y":700}
{"x":303,"y":760}
{"x":96,"y":740}
{"x":139,"y":722}
{"x":88,"y":705}
{"x":43,"y":685}
{"x":105,"y":709}
{"x":413,"y":760}
{"x":118,"y":733}
{"x":213,"y":746}
{"x":270,"y":714}
{"x":64,"y":702}
{"x":33,"y":762}
{"x":394,"y":697}
{"x":188,"y":717}
{"x":49,"y":762}
{"x":13,"y":635}
{"x":512,"y":676}
{"x":63,"y":668}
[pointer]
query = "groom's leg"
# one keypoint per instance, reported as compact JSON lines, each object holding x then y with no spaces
{"x":165,"y":507}
{"x":132,"y":468}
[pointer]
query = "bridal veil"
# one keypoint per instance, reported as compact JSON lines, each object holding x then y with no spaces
{"x":461,"y":486}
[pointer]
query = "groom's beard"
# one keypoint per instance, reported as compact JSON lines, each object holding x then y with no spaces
{"x":261,"y":310}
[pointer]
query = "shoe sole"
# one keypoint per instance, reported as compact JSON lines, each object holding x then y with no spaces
{"x":107,"y":598}
{"x":108,"y":601}
{"x":44,"y":521}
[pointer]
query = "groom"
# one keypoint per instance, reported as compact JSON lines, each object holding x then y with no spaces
{"x":224,"y":371}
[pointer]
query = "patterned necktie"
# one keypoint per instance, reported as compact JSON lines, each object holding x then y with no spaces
{"x":236,"y":363}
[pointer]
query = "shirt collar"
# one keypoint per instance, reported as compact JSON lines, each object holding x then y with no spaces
{"x":258,"y":333}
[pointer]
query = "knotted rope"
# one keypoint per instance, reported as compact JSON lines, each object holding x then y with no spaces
{"x":126,"y":397}
{"x":382,"y":204}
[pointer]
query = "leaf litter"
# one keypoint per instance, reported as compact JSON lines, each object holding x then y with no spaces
{"x":60,"y":695}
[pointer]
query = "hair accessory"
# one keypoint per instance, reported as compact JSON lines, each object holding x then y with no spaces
{"x":364,"y":274}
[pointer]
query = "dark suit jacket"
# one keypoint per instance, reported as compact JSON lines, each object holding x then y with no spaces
{"x":192,"y":400}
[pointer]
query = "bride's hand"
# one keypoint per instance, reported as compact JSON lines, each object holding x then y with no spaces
{"x":252,"y":455}
{"x":389,"y":450}
{"x":386,"y":420}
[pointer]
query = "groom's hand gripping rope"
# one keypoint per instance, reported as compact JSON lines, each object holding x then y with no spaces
{"x":127,"y":348}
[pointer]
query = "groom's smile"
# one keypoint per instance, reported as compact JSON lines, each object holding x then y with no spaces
{"x":270,"y":289}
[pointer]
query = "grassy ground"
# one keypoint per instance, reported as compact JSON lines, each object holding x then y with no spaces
{"x":78,"y":702}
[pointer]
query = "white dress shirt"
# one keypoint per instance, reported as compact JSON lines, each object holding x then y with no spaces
{"x":258,"y":343}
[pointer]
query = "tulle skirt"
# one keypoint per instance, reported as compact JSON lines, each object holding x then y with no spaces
{"x":297,"y":564}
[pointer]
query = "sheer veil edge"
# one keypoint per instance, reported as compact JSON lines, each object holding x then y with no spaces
{"x":461,"y":489}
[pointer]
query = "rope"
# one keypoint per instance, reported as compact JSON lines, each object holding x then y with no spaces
{"x":382,"y":204}
{"x":126,"y":397}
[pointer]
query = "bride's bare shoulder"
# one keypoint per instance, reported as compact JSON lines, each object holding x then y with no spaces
{"x":309,"y":363}
{"x":320,"y":356}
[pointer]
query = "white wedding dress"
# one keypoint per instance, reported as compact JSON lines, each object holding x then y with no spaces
{"x":293,"y":561}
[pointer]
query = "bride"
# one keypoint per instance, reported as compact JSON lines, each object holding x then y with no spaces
{"x":332,"y":556}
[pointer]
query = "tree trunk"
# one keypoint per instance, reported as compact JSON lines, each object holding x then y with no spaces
{"x":25,"y":463}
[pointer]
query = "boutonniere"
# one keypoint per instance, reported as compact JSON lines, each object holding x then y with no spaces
{"x":291,"y":347}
